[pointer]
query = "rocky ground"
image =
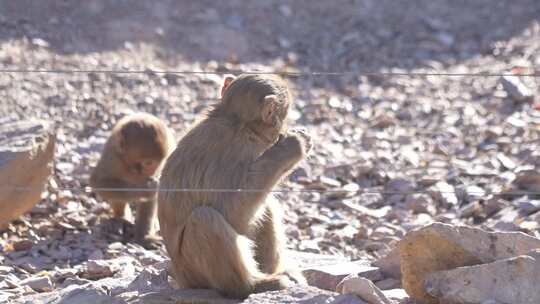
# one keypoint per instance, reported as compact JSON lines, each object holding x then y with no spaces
{"x":408,"y":150}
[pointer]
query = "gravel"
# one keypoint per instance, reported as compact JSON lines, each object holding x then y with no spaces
{"x":391,"y":153}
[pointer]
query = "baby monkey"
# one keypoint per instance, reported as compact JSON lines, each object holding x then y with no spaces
{"x":232,"y":241}
{"x":131,"y":159}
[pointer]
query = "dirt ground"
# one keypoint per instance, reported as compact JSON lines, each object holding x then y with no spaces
{"x":420,"y":148}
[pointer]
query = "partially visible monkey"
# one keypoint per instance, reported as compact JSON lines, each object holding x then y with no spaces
{"x":226,"y":240}
{"x":132,"y":158}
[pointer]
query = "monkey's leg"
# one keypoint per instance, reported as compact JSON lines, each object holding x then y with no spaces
{"x":144,"y":223}
{"x":121,"y":223}
{"x":270,"y":244}
{"x":146,"y":214}
{"x":270,"y":239}
{"x":121,"y":210}
{"x":215,"y":256}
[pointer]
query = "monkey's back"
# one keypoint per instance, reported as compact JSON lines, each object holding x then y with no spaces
{"x":210,"y":157}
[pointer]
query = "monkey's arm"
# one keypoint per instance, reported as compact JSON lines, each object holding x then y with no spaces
{"x":104,"y":187}
{"x":270,"y":167}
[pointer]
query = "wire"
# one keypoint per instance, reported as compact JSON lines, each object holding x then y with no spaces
{"x":301,"y":73}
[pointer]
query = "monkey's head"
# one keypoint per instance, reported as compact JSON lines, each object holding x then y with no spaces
{"x":142,"y":145}
{"x":258,"y":102}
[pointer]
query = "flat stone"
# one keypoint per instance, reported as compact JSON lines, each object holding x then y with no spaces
{"x":302,"y":294}
{"x":97,"y":269}
{"x":296,"y":294}
{"x":305,"y":260}
{"x":327,"y":277}
{"x":183,"y":296}
{"x":398,"y":295}
{"x":39,"y":284}
{"x":75,"y":294}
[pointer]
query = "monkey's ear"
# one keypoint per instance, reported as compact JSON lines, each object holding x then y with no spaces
{"x":120,"y":142}
{"x":226,"y":82}
{"x":269,"y":109}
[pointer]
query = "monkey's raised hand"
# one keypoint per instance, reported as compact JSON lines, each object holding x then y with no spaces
{"x":297,"y":143}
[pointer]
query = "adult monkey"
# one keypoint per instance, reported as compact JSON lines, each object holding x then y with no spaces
{"x":228,"y":240}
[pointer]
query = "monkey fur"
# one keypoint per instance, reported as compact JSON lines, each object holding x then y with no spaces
{"x":232,"y":241}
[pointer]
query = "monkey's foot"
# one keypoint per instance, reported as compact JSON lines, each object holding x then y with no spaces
{"x":119,"y":227}
{"x":274,"y":282}
{"x":295,"y":276}
{"x":151,"y":242}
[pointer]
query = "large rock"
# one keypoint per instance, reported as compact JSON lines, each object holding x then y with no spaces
{"x":26,"y":154}
{"x":513,"y":280}
{"x":440,"y":246}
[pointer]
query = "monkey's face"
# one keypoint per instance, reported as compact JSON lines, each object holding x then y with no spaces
{"x":141,"y":159}
{"x":271,"y":122}
{"x":142,"y":150}
{"x":143,"y":167}
{"x":147,"y":167}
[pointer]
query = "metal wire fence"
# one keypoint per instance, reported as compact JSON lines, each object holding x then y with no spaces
{"x":283,"y":73}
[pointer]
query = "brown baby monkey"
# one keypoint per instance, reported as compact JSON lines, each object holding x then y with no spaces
{"x":132,"y":159}
{"x":232,"y":241}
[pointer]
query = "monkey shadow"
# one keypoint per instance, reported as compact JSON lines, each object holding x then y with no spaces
{"x":323,"y":35}
{"x":123,"y":231}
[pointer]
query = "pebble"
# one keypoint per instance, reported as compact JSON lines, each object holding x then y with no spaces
{"x":99,"y":269}
{"x":516,"y":89}
{"x":453,"y":140}
{"x":39,"y":284}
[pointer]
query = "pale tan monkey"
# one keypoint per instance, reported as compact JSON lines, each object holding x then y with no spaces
{"x":232,"y":241}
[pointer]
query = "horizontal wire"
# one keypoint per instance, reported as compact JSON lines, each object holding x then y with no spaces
{"x":89,"y":190}
{"x":419,"y":74}
{"x":301,"y":73}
